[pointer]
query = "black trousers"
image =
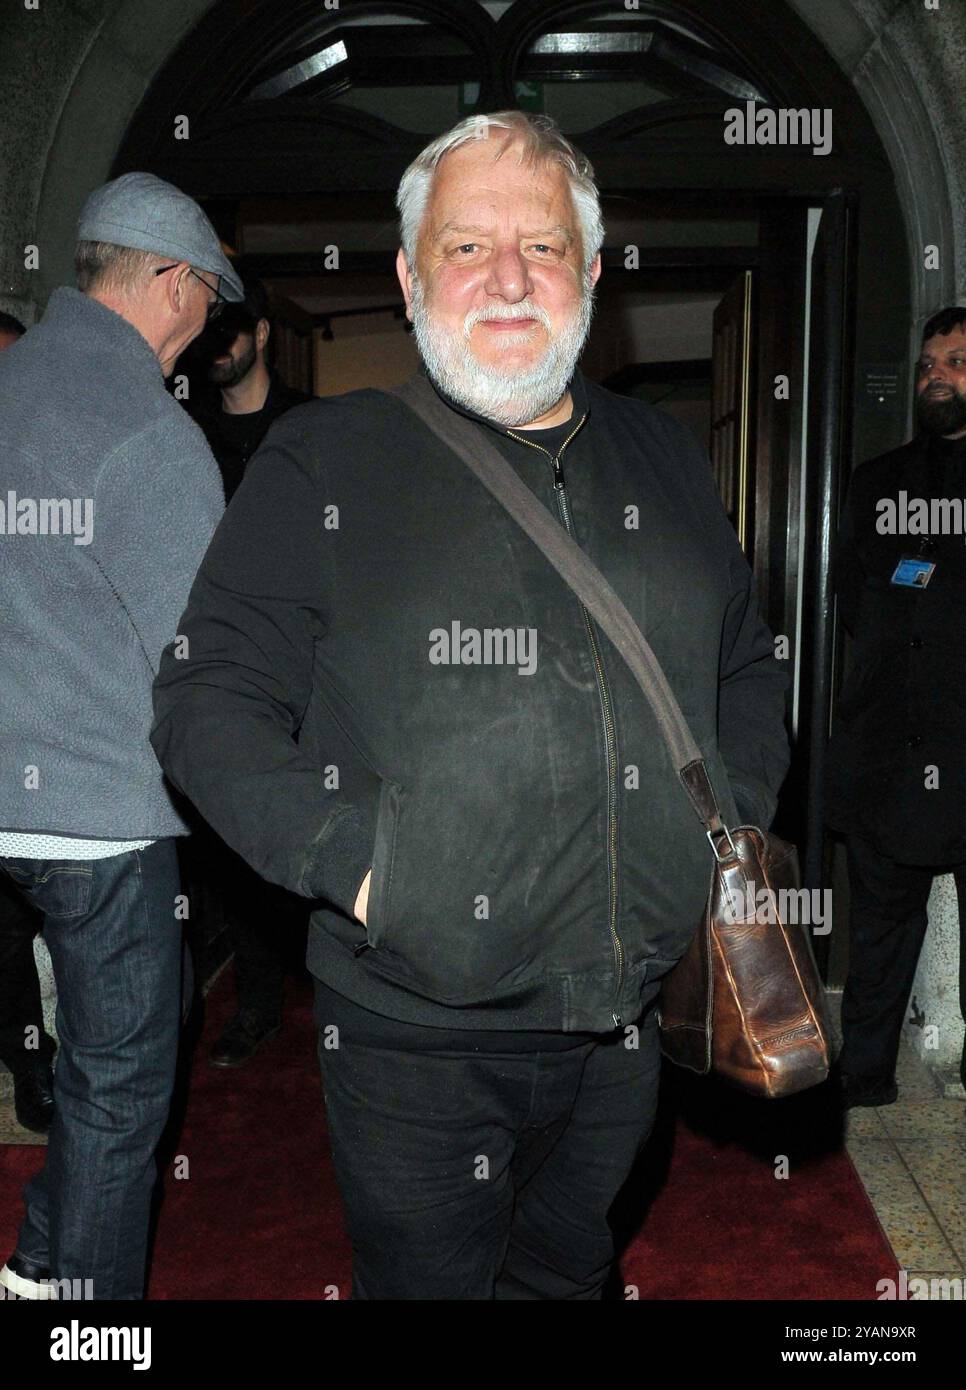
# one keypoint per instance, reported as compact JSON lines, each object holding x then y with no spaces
{"x":20,"y":1005}
{"x":484,"y":1175}
{"x":265,"y":925}
{"x":257,"y":927}
{"x":887,"y":925}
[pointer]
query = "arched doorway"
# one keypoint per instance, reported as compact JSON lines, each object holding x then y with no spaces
{"x":293,"y":123}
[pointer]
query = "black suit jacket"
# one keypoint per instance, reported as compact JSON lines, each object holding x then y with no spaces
{"x":900,"y":723}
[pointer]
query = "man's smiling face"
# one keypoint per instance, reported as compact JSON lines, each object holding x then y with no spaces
{"x":500,"y":239}
{"x":500,"y":299}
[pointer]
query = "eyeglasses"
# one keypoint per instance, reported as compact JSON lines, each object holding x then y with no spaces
{"x":215,"y":305}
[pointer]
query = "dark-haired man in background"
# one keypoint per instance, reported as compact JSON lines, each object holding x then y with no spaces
{"x":266,"y":924}
{"x":237,"y":352}
{"x":898,"y":755}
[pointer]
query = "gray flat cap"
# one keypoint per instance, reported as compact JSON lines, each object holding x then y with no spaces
{"x":148,"y":214}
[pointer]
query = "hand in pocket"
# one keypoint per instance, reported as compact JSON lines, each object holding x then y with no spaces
{"x":362,"y":899}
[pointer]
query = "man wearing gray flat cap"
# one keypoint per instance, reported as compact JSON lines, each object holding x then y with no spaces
{"x":111,"y":496}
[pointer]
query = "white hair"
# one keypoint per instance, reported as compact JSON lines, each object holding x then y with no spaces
{"x":102,"y":266}
{"x":540,"y":141}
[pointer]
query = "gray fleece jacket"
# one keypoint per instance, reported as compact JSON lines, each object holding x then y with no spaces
{"x":109,"y":495}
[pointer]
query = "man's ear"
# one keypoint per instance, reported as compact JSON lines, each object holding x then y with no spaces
{"x":405,"y":281}
{"x":263,"y":331}
{"x":595,"y":268}
{"x":183,"y":284}
{"x":176,"y":286}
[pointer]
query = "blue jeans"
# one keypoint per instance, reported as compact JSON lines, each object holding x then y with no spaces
{"x":116,"y":945}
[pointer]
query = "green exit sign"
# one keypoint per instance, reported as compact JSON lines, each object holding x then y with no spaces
{"x":529,"y":95}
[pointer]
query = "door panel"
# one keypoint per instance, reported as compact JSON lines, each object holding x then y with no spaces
{"x":731,"y":397}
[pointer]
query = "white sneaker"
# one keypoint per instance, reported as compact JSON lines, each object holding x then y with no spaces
{"x":21,"y":1279}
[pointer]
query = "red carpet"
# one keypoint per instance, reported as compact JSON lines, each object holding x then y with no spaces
{"x":257,"y":1213}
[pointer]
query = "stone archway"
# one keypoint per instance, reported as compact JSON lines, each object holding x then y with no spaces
{"x":73,"y":75}
{"x":98,"y":57}
{"x":906,"y":62}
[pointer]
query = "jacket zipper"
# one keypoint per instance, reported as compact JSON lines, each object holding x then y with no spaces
{"x":607,"y":715}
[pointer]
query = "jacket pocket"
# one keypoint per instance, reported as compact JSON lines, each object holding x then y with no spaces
{"x":379,"y":909}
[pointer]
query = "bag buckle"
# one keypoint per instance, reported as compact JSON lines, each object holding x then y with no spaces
{"x":731,"y":844}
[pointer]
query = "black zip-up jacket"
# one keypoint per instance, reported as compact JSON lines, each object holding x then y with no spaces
{"x":535,"y":862}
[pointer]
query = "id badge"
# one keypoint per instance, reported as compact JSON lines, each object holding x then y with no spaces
{"x":913,"y":572}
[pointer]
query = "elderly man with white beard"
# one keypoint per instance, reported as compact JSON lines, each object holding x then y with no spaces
{"x":502,"y":862}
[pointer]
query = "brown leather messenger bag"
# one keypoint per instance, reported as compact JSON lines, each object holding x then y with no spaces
{"x":745,"y":999}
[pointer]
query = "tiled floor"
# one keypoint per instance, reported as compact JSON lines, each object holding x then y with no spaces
{"x":10,"y":1131}
{"x":911,"y":1156}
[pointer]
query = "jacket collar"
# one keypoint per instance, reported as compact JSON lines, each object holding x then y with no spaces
{"x":577,"y":387}
{"x":88,"y":322}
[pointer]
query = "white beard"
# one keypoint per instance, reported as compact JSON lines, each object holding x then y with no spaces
{"x":508,"y":396}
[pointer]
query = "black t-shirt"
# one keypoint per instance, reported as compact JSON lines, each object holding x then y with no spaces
{"x":234,"y":438}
